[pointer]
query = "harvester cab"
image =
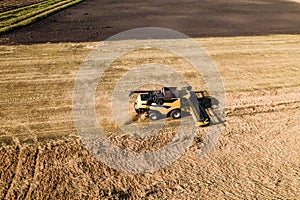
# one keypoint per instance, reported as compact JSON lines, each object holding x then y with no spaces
{"x":171,"y":102}
{"x":148,"y":97}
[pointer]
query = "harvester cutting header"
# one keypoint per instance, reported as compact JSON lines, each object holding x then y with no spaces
{"x":172,"y":102}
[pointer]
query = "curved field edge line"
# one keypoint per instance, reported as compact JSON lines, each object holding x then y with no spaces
{"x":13,"y":20}
{"x":38,"y":17}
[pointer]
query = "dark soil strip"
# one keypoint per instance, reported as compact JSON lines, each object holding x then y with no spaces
{"x":95,"y":20}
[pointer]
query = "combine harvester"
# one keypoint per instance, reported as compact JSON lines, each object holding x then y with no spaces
{"x":171,"y":102}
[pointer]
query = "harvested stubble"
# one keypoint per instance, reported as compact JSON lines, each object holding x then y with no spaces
{"x":257,"y":155}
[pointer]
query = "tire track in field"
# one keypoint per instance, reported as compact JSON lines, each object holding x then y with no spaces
{"x":256,"y":109}
{"x":26,"y":167}
{"x":7,"y":157}
{"x":25,"y":173}
{"x":34,"y":174}
{"x":17,"y":170}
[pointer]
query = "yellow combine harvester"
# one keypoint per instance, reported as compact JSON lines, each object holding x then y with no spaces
{"x":171,"y":102}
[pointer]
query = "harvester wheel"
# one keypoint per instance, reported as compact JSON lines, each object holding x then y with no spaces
{"x":176,"y":114}
{"x":154,"y":116}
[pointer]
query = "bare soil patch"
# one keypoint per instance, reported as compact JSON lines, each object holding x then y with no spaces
{"x":95,"y":20}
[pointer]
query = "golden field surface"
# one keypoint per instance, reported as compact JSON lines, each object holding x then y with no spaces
{"x":256,"y":157}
